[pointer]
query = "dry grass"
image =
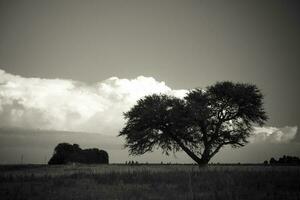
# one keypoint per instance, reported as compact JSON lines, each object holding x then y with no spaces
{"x":149,"y":182}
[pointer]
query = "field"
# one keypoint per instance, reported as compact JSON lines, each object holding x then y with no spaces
{"x":149,"y":182}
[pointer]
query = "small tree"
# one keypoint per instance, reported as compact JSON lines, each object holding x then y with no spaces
{"x":200,"y":124}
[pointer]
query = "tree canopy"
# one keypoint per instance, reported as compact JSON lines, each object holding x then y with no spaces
{"x":200,"y":124}
{"x":65,"y":153}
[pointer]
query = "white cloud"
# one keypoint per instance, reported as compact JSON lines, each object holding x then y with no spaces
{"x":274,"y":134}
{"x":69,"y":105}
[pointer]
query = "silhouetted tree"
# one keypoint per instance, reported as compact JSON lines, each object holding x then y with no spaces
{"x":272,"y":161}
{"x":285,"y":160}
{"x":66,"y":153}
{"x":200,"y":124}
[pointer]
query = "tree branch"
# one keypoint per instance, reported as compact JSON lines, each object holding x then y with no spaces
{"x":184,"y":148}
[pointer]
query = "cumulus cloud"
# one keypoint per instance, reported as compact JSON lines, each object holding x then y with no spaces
{"x":274,"y":134}
{"x":72,"y":105}
{"x":69,"y":105}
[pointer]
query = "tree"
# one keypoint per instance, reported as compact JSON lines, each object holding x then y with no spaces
{"x":272,"y":161}
{"x":200,"y":124}
{"x":285,"y":160}
{"x":67,"y":153}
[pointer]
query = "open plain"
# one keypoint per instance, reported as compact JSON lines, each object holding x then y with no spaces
{"x":149,"y":182}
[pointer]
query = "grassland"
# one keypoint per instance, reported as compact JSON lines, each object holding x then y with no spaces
{"x":149,"y":182}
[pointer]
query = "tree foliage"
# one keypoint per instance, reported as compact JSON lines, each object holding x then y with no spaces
{"x":65,"y":153}
{"x":285,"y":160}
{"x":200,"y":124}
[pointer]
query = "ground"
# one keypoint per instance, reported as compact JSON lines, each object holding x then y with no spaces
{"x":149,"y":182}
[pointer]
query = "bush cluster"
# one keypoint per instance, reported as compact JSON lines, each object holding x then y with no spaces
{"x":65,"y":153}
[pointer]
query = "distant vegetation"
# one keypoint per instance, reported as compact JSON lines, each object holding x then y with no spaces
{"x":284,"y":160}
{"x":65,"y":153}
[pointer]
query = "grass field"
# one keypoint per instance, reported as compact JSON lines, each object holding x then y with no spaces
{"x":149,"y":182}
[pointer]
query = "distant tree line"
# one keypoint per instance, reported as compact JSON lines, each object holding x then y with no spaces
{"x":65,"y":153}
{"x":284,"y":160}
{"x":131,"y":162}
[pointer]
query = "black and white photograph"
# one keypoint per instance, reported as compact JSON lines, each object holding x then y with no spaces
{"x":149,"y":99}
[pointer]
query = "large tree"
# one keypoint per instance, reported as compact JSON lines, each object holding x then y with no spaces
{"x":200,"y":124}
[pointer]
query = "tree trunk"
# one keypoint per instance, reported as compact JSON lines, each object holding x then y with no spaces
{"x":204,"y":162}
{"x":200,"y":161}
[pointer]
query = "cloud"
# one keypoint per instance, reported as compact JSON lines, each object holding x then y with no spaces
{"x":274,"y":135}
{"x":69,"y":105}
{"x":72,"y":105}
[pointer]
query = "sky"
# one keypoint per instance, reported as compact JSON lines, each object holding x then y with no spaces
{"x":78,"y":65}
